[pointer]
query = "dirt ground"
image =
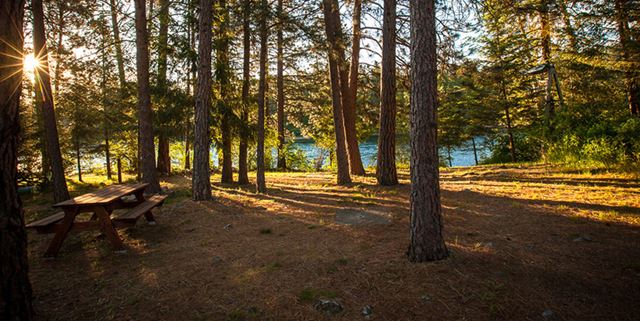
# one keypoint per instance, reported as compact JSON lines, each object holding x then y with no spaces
{"x":530,"y":243}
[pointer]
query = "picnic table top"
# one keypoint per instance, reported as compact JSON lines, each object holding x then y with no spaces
{"x":103,"y":196}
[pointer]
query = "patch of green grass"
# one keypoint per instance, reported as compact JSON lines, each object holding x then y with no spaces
{"x":309,"y":295}
{"x":265,"y":231}
{"x":342,"y":261}
{"x":311,"y":226}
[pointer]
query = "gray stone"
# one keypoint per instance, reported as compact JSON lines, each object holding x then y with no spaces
{"x":228,"y":227}
{"x":330,"y":307}
{"x":367,"y":310}
{"x":216,"y":259}
{"x":547,"y":314}
{"x":425,"y":298}
{"x":583,"y":238}
{"x":360,"y":217}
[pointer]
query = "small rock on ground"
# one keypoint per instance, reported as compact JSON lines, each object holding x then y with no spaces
{"x":330,"y":307}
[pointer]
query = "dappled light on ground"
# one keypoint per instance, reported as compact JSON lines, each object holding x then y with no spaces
{"x":523,"y":241}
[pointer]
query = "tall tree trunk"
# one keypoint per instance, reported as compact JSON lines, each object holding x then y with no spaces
{"x":119,"y":167}
{"x":164,"y":159}
{"x":105,"y":114}
{"x":145,"y":118}
{"x":386,"y":161}
{"x":118,"y":45}
{"x":282,"y":160}
{"x":60,"y":192}
{"x":244,"y":136}
{"x":16,"y":297}
{"x":331,"y":22}
{"x":631,"y":76}
{"x":201,"y":184}
{"x":349,"y":107}
{"x":262,"y":88}
{"x":545,"y":44}
{"x":223,"y":70}
{"x":427,"y":243}
{"x":60,"y":33}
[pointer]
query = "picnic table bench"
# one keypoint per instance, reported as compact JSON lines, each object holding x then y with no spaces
{"x":101,"y":203}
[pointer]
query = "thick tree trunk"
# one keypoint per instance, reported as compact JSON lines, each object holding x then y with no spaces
{"x":349,"y":86}
{"x":632,"y":81}
{"x":201,"y":184}
{"x":427,"y":243}
{"x":118,"y":45}
{"x":223,"y":70}
{"x":386,"y":161}
{"x":349,"y":109}
{"x":331,"y":21}
{"x":244,"y":136}
{"x":60,"y":192}
{"x":15,"y":288}
{"x":145,"y":118}
{"x":262,"y":88}
{"x":164,"y":159}
{"x":282,"y":160}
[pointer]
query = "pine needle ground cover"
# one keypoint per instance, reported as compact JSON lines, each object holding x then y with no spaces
{"x":526,"y":242}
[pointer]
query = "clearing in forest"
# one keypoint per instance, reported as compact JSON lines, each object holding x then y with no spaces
{"x":527,"y":243}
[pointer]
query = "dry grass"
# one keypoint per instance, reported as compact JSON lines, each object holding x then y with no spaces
{"x":510,"y":230}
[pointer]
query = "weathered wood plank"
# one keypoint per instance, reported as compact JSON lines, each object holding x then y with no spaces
{"x":143,"y":208}
{"x":104,"y":196}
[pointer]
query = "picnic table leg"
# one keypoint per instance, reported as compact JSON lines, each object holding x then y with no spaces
{"x":61,"y":232}
{"x":108,"y":229}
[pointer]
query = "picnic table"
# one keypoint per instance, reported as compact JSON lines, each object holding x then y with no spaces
{"x":101,"y":203}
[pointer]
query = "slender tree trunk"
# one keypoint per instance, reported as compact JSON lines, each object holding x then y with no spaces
{"x":427,"y":243}
{"x":118,"y":45}
{"x":262,"y":87}
{"x":545,"y":43}
{"x":331,"y":22}
{"x":145,"y":119}
{"x":164,"y":159}
{"x":632,"y":81}
{"x":201,"y":184}
{"x":507,"y":114}
{"x":244,"y":137}
{"x":60,"y":192}
{"x":16,"y":297}
{"x":119,"y":165}
{"x":282,"y":160}
{"x":223,"y":70}
{"x":105,"y":114}
{"x":386,"y":161}
{"x":475,"y":150}
{"x":349,"y":107}
{"x":187,"y":152}
{"x":60,"y":33}
{"x":78,"y":164}
{"x":449,"y":158}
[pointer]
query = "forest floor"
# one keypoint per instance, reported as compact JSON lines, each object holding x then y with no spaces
{"x":527,"y":243}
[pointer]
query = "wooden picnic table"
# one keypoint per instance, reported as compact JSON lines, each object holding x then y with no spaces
{"x":101,"y":203}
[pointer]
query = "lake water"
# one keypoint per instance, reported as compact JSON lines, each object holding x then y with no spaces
{"x":461,"y":156}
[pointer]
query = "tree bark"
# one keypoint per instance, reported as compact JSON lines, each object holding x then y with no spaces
{"x":145,"y":118}
{"x":118,"y":45}
{"x":475,"y":150}
{"x":507,"y":114}
{"x":349,"y":107}
{"x":201,"y":184}
{"x":331,"y":22}
{"x":16,"y":297}
{"x":164,"y":158}
{"x":282,"y":160}
{"x":60,"y":192}
{"x":78,"y":164}
{"x":244,"y":136}
{"x":262,"y":87}
{"x":427,"y":243}
{"x":545,"y":43}
{"x":223,"y":70}
{"x":386,"y":160}
{"x":631,"y":77}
